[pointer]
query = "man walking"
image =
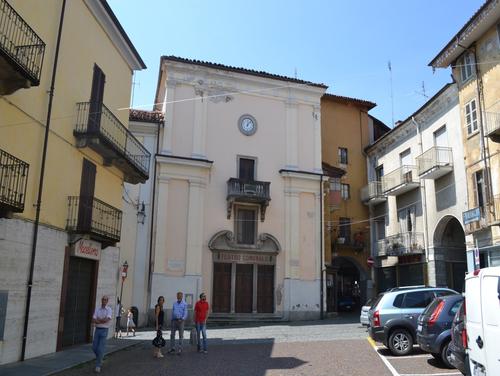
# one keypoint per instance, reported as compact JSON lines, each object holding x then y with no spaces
{"x":179,"y":315}
{"x":102,"y":321}
{"x":200,"y":319}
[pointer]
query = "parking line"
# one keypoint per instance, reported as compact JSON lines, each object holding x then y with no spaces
{"x":386,"y":362}
{"x":431,"y":374}
{"x":410,"y":356}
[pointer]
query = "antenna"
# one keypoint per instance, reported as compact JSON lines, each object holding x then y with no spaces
{"x":392,"y":92}
{"x":422,"y":93}
{"x":134,"y":83}
{"x":295,"y":72}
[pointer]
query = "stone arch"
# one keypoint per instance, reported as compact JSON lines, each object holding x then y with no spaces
{"x":349,"y":273}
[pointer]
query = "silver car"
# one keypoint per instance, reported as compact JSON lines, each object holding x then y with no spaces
{"x":363,"y":317}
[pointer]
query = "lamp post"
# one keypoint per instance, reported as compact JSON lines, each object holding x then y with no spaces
{"x":124,"y":276}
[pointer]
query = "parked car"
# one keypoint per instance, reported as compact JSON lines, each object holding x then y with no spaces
{"x":482,"y":321}
{"x":434,"y":327}
{"x":363,"y":317}
{"x":458,"y":357}
{"x":393,"y":316}
{"x":346,"y":303}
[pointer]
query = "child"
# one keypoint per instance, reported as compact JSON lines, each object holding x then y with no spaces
{"x":130,"y":322}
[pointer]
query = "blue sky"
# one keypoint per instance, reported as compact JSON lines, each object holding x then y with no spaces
{"x":343,"y":44}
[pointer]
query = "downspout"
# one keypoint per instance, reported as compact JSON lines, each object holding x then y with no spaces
{"x":321,"y":258}
{"x":40,"y":186}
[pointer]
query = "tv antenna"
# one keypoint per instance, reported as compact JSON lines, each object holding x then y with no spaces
{"x":423,"y":92}
{"x":389,"y":66}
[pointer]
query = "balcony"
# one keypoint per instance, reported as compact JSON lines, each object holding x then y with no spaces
{"x":481,"y":218}
{"x":435,"y":162}
{"x":402,"y":244}
{"x":104,"y":133}
{"x":355,"y":242}
{"x":21,"y":52}
{"x":91,"y":216}
{"x":372,"y":194}
{"x":249,"y":191}
{"x":400,"y":181}
{"x":334,"y":200}
{"x":491,"y":121}
{"x":13,"y":180}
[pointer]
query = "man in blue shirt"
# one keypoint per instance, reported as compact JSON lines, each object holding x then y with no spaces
{"x":179,"y":315}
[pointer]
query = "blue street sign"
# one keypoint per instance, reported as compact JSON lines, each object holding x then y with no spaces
{"x":472,"y":215}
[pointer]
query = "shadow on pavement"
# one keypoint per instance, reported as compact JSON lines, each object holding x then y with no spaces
{"x":437,"y":363}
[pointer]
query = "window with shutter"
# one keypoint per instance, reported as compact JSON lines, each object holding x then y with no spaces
{"x":96,"y":99}
{"x":87,"y":187}
{"x":246,"y":225}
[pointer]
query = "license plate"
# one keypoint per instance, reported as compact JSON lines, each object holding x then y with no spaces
{"x":419,"y":328}
{"x":478,"y":371}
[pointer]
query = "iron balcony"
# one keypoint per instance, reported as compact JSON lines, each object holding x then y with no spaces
{"x":13,"y":181}
{"x":372,"y":194}
{"x":104,"y":133}
{"x":405,"y":243}
{"x":435,"y":162}
{"x":91,"y":216}
{"x":21,"y":52}
{"x":253,"y":191}
{"x":492,"y":125}
{"x":401,"y":180}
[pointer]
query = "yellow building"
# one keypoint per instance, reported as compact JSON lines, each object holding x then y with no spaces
{"x":65,"y":151}
{"x":474,"y":55}
{"x":346,"y":129}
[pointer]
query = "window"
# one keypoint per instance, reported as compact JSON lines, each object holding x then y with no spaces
{"x":345,"y":191}
{"x":471,"y":116}
{"x":441,"y":137}
{"x":246,"y":225}
{"x":406,"y":217}
{"x":479,"y":188}
{"x":418,"y":299}
{"x":345,"y":228}
{"x":246,"y":169}
{"x":454,"y":309}
{"x":379,"y":172}
{"x":96,"y":99}
{"x":405,"y":157}
{"x":466,"y":66}
{"x":343,"y":156}
{"x":335,"y":184}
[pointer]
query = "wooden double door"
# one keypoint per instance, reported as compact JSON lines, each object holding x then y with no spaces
{"x":251,"y":285}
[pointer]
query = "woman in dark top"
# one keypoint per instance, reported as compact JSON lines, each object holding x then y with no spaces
{"x":159,"y":323}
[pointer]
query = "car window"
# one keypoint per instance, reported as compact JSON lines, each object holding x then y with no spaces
{"x":444,"y":292}
{"x":398,"y":301}
{"x":377,"y":300}
{"x":418,"y":299}
{"x":455,"y":307}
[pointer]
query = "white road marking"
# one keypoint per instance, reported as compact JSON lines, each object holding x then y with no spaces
{"x":431,"y":374}
{"x":386,"y":362}
{"x":410,"y":356}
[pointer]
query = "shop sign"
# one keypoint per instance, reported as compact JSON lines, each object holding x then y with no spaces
{"x":244,"y":258}
{"x":86,"y":248}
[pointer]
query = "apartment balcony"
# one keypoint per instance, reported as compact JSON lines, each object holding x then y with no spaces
{"x":402,"y":244}
{"x":401,"y":180}
{"x":355,"y":242}
{"x":248,"y":191}
{"x":491,"y":120}
{"x":334,"y":200}
{"x":481,"y":218}
{"x":100,"y":130}
{"x":372,"y":194}
{"x":13,"y":180}
{"x":21,"y":52}
{"x":435,"y":162}
{"x":93,"y":217}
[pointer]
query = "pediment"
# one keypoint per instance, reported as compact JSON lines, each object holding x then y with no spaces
{"x":225,"y":241}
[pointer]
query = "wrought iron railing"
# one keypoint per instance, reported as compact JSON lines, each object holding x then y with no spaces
{"x":251,"y":189}
{"x":371,"y":191}
{"x":405,"y":243}
{"x":89,"y":215}
{"x":491,"y":120}
{"x":20,"y":43}
{"x":13,"y":181}
{"x":403,"y":175}
{"x":437,"y":156}
{"x":106,"y":125}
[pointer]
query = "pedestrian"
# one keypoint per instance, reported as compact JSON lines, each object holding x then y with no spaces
{"x":179,"y":315}
{"x":118,"y":329}
{"x":200,"y":320}
{"x":102,"y":321}
{"x":130,"y":322}
{"x":158,"y":324}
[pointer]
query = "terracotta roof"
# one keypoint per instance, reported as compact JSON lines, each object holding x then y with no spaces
{"x":146,"y":116}
{"x":339,"y":98}
{"x":241,"y":70}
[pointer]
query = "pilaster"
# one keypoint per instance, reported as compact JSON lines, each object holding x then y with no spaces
{"x":317,"y":139}
{"x":200,"y":125}
{"x":168,"y":109}
{"x":292,"y":135}
{"x":194,"y":244}
{"x":161,"y":225}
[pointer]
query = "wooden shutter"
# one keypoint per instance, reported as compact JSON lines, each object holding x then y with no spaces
{"x":96,"y":99}
{"x":87,"y":186}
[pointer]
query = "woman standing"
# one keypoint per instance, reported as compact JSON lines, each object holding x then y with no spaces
{"x":159,"y":323}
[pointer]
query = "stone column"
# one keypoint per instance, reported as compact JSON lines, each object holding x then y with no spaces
{"x":168,"y":108}
{"x":200,"y":125}
{"x":292,"y":135}
{"x":194,"y":247}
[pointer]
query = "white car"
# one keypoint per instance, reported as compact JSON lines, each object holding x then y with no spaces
{"x":363,"y":318}
{"x":482,"y":321}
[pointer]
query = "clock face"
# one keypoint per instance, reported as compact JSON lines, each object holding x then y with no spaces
{"x":247,"y":125}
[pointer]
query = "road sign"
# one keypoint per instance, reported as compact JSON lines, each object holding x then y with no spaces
{"x":370,"y":261}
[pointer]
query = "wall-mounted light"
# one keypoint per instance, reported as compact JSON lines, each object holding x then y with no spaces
{"x":141,"y":213}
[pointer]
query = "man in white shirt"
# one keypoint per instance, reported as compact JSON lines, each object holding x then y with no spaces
{"x":102,"y":321}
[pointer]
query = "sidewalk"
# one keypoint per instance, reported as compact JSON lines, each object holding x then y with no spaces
{"x":59,"y":361}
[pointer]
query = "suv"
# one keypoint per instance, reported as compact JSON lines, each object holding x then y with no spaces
{"x":394,"y":314}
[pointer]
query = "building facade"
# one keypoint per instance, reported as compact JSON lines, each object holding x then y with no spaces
{"x":238,"y":209}
{"x":65,"y":70}
{"x":473,"y":54}
{"x":416,"y":194}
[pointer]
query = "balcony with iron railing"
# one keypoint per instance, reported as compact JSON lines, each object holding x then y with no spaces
{"x":248,"y":191}
{"x":372,"y":194}
{"x":405,"y":243}
{"x":91,"y":216}
{"x":435,"y":162}
{"x":21,"y":52}
{"x":13,"y":181}
{"x":401,"y":180}
{"x":491,"y":120}
{"x":354,"y":242}
{"x":482,"y":217}
{"x":100,"y":130}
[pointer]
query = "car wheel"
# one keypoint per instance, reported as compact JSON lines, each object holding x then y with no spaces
{"x":445,"y":355}
{"x":400,"y":342}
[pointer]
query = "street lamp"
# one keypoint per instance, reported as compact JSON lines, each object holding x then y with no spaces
{"x":124,"y":276}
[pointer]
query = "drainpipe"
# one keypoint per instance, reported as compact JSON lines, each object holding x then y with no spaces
{"x":40,"y":186}
{"x":321,"y":258}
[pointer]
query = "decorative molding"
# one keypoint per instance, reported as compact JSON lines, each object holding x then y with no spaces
{"x":224,"y":241}
{"x":184,"y":161}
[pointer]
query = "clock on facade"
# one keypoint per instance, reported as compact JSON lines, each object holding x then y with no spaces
{"x":247,"y":125}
